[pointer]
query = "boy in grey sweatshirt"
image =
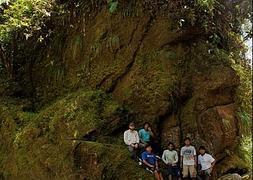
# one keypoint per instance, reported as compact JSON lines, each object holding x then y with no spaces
{"x":170,"y":158}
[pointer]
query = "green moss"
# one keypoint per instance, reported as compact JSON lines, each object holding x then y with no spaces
{"x":92,"y":54}
{"x":113,"y":43}
{"x":40,"y":147}
{"x":244,"y":152}
{"x":96,"y":48}
{"x":188,"y":117}
{"x":171,"y":55}
{"x":114,"y":161}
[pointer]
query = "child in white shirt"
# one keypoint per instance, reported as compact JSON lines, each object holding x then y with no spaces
{"x":206,"y":163}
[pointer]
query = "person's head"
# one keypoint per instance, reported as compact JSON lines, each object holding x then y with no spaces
{"x":171,"y":146}
{"x":131,"y":126}
{"x":146,"y":125}
{"x":187,"y":141}
{"x":148,"y":148}
{"x":202,"y":150}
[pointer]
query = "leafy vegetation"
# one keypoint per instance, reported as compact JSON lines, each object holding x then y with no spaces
{"x":26,"y":20}
{"x":244,"y":94}
{"x":113,"y":5}
{"x":52,"y":51}
{"x":27,"y":15}
{"x":22,"y":20}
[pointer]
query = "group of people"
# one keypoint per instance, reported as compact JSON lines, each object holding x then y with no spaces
{"x":141,"y":142}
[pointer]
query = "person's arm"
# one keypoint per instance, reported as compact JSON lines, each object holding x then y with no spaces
{"x":181,"y":158}
{"x":212,"y":163}
{"x":199,"y":167}
{"x":151,"y":132}
{"x":156,"y":166}
{"x":140,"y":135}
{"x":195,"y":160}
{"x":176,"y":158}
{"x":181,"y":161}
{"x":147,"y":164}
{"x":126,"y":138}
{"x":164,"y":158}
{"x":195,"y":157}
{"x":137,"y":137}
{"x":199,"y":164}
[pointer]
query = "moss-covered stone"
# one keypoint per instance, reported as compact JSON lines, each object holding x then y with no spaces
{"x":40,"y":146}
{"x":165,"y":72}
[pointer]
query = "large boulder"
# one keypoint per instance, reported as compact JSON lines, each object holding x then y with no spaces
{"x":51,"y":144}
{"x":168,"y":75}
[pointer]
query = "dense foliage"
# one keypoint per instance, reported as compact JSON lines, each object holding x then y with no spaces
{"x":26,"y":22}
{"x":26,"y":19}
{"x":20,"y":21}
{"x":50,"y":49}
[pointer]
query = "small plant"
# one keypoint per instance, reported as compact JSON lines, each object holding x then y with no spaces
{"x":113,"y":6}
{"x":208,"y":4}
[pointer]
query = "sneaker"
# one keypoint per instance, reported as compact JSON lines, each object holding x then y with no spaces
{"x":158,"y":157}
{"x":149,"y":170}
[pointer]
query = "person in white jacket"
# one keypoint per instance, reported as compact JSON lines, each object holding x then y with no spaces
{"x":132,"y":140}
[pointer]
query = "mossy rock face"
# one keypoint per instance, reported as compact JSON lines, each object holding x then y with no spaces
{"x":106,"y":161}
{"x":40,"y":146}
{"x":171,"y":77}
{"x":83,"y":112}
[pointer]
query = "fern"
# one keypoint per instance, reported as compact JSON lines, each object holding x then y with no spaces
{"x":113,"y":6}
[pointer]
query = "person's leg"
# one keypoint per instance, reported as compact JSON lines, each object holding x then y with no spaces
{"x":176,"y":172}
{"x":185,"y":171}
{"x":207,"y":177}
{"x":170,"y":172}
{"x":132,"y":152}
{"x":157,"y":176}
{"x":142,"y":144}
{"x":135,"y":150}
{"x":161,"y":176}
{"x":141,"y":149}
{"x":193,"y":172}
{"x":207,"y":174}
{"x":199,"y":177}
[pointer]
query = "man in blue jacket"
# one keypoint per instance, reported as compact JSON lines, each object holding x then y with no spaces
{"x":150,"y":161}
